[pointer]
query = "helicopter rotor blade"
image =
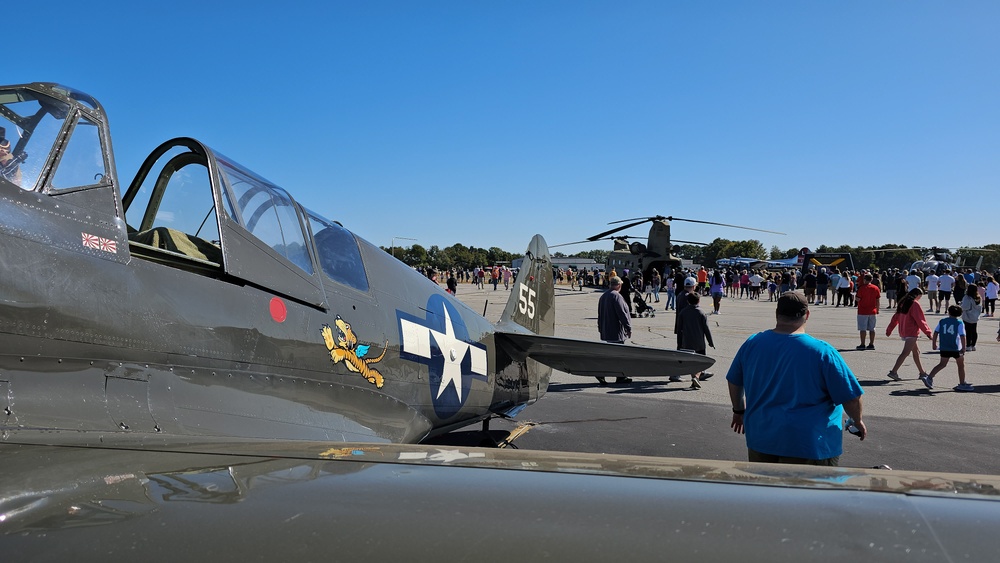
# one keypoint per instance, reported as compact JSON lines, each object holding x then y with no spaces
{"x":689,"y":242}
{"x":724,"y":225}
{"x":599,"y":236}
{"x":639,"y":219}
{"x":623,"y":237}
{"x":900,"y":249}
{"x":568,"y":243}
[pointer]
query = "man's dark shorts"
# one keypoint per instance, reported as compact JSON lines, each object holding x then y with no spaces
{"x":951,"y":354}
{"x":759,"y":457}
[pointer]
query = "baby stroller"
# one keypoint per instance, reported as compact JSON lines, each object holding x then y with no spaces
{"x":642,"y":309}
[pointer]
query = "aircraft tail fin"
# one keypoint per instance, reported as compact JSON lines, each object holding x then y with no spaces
{"x":532,"y":301}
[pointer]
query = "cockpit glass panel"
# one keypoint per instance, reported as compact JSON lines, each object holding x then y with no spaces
{"x":29,"y":126}
{"x":174,"y":208}
{"x":339,"y":255}
{"x":268,"y":213}
{"x":82,"y":163}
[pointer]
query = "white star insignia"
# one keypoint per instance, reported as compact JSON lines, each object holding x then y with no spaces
{"x":454,"y":352}
{"x":417,"y":340}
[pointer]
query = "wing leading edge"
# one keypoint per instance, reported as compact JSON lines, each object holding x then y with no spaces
{"x":587,"y":358}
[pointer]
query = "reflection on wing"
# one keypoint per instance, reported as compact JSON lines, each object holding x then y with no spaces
{"x":308,"y":501}
{"x":583,"y":357}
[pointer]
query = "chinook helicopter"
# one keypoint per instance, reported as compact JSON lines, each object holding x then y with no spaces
{"x":658,"y":251}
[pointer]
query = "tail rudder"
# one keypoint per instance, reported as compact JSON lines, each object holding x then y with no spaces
{"x":532,"y":301}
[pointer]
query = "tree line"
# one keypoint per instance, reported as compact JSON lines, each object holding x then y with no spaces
{"x":454,"y":256}
{"x":895,"y":255}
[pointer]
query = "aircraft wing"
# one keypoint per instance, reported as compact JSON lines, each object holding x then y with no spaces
{"x":588,"y":358}
{"x":308,"y":501}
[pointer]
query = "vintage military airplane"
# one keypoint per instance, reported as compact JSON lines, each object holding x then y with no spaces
{"x":795,"y":262}
{"x":184,"y":368}
{"x":205,"y":301}
{"x":740,"y":262}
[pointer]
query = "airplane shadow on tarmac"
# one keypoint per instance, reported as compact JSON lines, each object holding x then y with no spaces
{"x":636,"y":387}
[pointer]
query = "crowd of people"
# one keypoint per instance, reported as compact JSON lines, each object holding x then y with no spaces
{"x":791,"y":391}
{"x":481,"y":276}
{"x":802,"y":422}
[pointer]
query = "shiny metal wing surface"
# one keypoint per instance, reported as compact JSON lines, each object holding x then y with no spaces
{"x":587,"y":358}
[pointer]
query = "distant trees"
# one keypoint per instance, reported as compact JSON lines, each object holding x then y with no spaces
{"x":455,"y":256}
{"x":725,"y":248}
{"x":691,"y":252}
{"x":599,"y":256}
{"x":887,"y":255}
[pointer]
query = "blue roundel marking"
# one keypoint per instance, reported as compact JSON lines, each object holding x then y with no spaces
{"x":441,"y":341}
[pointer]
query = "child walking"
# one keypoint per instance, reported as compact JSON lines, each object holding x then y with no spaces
{"x":952,"y":332}
{"x":911,"y":321}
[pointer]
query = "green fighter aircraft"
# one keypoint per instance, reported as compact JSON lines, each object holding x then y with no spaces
{"x":204,"y":301}
{"x":199,"y":369}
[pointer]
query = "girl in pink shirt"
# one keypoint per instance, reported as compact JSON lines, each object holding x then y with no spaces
{"x":911,"y":321}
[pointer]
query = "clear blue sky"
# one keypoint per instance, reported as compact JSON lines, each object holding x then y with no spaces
{"x":849,"y":122}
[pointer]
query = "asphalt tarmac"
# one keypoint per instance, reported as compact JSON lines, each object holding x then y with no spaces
{"x":909,"y":427}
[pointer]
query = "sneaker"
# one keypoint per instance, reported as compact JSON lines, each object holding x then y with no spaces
{"x":893,"y":376}
{"x":964,"y":387}
{"x":675,"y":378}
{"x":870,"y":347}
{"x":695,"y":384}
{"x":859,"y":347}
{"x":623,"y":380}
{"x":929,"y":311}
{"x":927,"y":381}
{"x":970,"y":349}
{"x":706,"y":375}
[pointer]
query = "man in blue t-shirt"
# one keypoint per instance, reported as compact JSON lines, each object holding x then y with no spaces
{"x":790,"y":391}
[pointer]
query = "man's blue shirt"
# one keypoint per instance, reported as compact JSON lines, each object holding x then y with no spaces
{"x":795,"y":386}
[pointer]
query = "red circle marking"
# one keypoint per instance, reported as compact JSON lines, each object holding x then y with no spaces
{"x":278,"y":310}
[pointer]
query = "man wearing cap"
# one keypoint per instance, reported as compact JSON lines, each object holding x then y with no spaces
{"x":613,"y":320}
{"x":789,"y":392}
{"x":8,"y":165}
{"x":689,"y":287}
